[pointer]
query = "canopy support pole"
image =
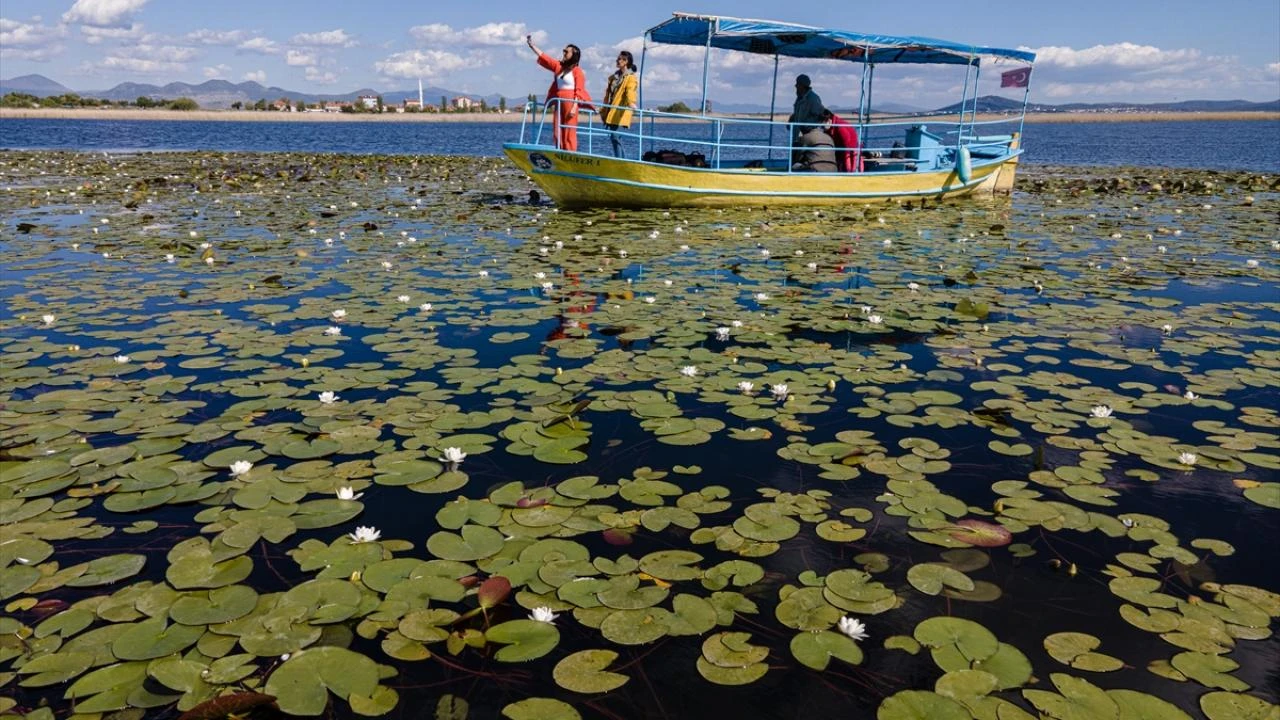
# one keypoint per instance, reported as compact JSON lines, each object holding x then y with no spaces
{"x":973,"y":117}
{"x":644,"y":52}
{"x":1025,"y":95}
{"x":706,"y":73}
{"x":871,"y":85}
{"x":773,"y":103}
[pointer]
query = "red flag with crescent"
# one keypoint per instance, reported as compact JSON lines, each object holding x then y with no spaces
{"x":1016,"y":78}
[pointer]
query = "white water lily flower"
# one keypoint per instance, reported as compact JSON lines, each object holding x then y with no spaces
{"x":779,"y":391}
{"x":812,"y":266}
{"x":121,"y":359}
{"x":364,"y":534}
{"x":328,"y":397}
{"x":668,"y":283}
{"x":346,"y":492}
{"x":338,"y":314}
{"x":865,"y":309}
{"x":651,"y":299}
{"x":453,"y":454}
{"x":548,"y":286}
{"x":886,"y":243}
{"x":1100,"y":411}
{"x":1162,"y":249}
{"x":402,"y":298}
{"x":539,"y":275}
{"x":853,"y":627}
{"x":169,"y":258}
{"x":1190,"y":395}
{"x":208,"y":261}
{"x":684,"y":247}
{"x":543,"y":614}
{"x":559,"y":244}
{"x":1251,"y":263}
{"x":689,"y":370}
{"x":764,"y":252}
{"x":913,"y":286}
{"x":333,"y":331}
{"x":386,"y":264}
{"x":746,"y":386}
{"x":1187,"y":458}
{"x":425,"y":307}
{"x":722,"y":333}
{"x":875,"y":319}
{"x":736,"y":323}
{"x":484,"y":273}
{"x":48,"y":318}
{"x":1166,"y":328}
{"x":761,"y":297}
{"x":240,"y":467}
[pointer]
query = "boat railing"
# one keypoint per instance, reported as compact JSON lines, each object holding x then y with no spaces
{"x":886,"y":144}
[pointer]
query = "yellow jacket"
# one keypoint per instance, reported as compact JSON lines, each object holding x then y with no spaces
{"x":622,"y":92}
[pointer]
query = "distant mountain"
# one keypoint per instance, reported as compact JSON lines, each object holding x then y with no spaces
{"x":997,"y":104}
{"x":37,"y":85}
{"x":216,"y":94}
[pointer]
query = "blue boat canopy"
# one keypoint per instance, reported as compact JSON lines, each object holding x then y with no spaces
{"x":768,"y":37}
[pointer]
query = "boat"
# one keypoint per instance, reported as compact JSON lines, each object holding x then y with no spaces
{"x":703,"y":159}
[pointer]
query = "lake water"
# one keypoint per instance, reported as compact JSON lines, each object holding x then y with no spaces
{"x":1225,"y":145}
{"x":997,"y":432}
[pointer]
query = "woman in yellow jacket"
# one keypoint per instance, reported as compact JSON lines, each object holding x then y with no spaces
{"x":569,"y":89}
{"x":620,"y":94}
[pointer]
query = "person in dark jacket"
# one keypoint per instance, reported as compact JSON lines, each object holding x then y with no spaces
{"x":806,"y":114}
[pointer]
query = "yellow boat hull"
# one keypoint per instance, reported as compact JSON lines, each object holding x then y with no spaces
{"x":579,"y":180}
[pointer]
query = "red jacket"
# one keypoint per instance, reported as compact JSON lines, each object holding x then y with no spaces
{"x":845,"y":136}
{"x":579,"y":80}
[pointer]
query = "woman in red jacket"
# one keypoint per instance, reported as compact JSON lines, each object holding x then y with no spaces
{"x":569,"y":89}
{"x":845,"y":136}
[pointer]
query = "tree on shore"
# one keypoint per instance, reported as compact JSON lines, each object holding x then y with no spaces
{"x":184,"y":104}
{"x":675,"y":107}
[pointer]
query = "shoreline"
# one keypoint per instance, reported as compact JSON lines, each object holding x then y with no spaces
{"x":515,"y":117}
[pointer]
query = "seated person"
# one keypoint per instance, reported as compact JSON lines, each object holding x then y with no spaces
{"x":846,"y":139}
{"x":815,"y":152}
{"x":806,"y":114}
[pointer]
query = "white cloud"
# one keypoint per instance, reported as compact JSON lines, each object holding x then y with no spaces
{"x":205,"y":36}
{"x":320,"y":77}
{"x":1273,"y":68}
{"x":260,"y":45}
{"x":258,"y":76}
{"x":102,"y":13}
{"x":97,"y":35}
{"x":489,"y":35}
{"x":1119,"y":55}
{"x":327,"y":38}
{"x":297,"y":58}
{"x":217,"y":71}
{"x":148,"y":59}
{"x":420,"y":63}
{"x":14,"y":34}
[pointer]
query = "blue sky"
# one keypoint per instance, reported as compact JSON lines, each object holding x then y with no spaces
{"x":1089,"y":50}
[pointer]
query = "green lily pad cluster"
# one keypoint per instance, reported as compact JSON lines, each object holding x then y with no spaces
{"x":361,"y":426}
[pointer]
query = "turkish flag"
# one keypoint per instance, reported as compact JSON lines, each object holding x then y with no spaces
{"x":1016,"y":78}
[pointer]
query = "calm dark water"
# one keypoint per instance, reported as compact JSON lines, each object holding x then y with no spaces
{"x":1225,"y":145}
